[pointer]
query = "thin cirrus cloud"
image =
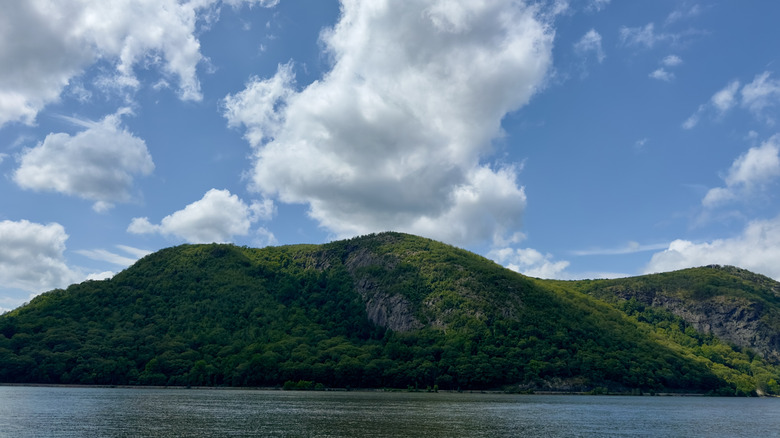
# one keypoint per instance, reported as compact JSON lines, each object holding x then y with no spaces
{"x":395,"y":134}
{"x":45,"y":46}
{"x":99,"y":163}
{"x":217,"y":217}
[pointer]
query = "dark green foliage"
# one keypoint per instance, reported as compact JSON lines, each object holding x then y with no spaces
{"x":294,"y":316}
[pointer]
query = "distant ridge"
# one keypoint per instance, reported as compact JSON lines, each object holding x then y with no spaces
{"x":395,"y":310}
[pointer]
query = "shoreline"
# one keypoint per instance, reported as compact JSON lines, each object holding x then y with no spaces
{"x":391,"y":390}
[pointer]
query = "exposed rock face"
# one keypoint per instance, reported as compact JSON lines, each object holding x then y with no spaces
{"x":384,"y":309}
{"x":737,"y":321}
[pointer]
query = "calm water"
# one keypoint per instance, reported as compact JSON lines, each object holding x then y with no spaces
{"x":104,"y":412}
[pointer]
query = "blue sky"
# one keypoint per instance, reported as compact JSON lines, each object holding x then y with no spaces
{"x":563,"y":139}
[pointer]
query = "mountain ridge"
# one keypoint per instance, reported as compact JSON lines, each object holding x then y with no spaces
{"x":384,"y":310}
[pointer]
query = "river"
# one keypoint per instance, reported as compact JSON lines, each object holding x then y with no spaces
{"x":121,"y":412}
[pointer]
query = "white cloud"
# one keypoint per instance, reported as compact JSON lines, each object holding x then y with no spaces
{"x":671,"y":61}
{"x":393,"y":137}
{"x":32,"y":256}
{"x":662,"y":75}
{"x":756,"y":249}
{"x":629,"y":248}
{"x":530,"y":262}
{"x":264,"y":238}
{"x":761,"y":94}
{"x":590,"y":42}
{"x":45,"y":44}
{"x":217,"y":217}
{"x":758,"y":97}
{"x":683,"y":12}
{"x":751,"y":171}
{"x":116,"y":259}
{"x":597,"y":5}
{"x":98,"y":163}
{"x":725,"y":99}
{"x":641,"y":36}
{"x":647,"y":37}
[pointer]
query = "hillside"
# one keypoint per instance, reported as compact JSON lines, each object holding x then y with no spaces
{"x":392,"y":310}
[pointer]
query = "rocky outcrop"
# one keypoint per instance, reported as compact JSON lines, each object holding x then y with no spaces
{"x":738,"y":321}
{"x":391,"y":311}
{"x":388,"y":310}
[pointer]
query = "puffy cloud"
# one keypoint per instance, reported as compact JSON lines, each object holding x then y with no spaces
{"x":98,"y":163}
{"x":725,"y":99}
{"x":216,"y":217}
{"x":590,"y":42}
{"x":32,"y":257}
{"x":756,"y":249}
{"x":393,"y":137}
{"x":44,"y":44}
{"x":754,"y":169}
{"x":671,"y":61}
{"x":530,"y":262}
{"x":662,"y":75}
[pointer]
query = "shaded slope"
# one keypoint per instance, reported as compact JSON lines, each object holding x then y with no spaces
{"x":381,"y":310}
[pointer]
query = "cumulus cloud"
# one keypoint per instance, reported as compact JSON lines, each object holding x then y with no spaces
{"x":99,"y":163}
{"x":751,"y":171}
{"x":590,"y":43}
{"x":395,"y":135}
{"x":756,"y":249}
{"x":662,"y":75}
{"x":530,"y":262}
{"x":32,"y":258}
{"x":671,"y":61}
{"x":726,"y":98}
{"x":217,"y":217}
{"x":44,"y":45}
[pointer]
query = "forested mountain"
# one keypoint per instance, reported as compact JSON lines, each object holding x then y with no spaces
{"x":395,"y":310}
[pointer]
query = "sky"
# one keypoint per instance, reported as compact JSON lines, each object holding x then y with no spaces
{"x":562,"y":139}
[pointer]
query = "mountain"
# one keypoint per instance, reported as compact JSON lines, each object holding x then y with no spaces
{"x":395,"y":310}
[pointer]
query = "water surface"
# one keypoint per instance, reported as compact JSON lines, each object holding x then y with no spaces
{"x":118,"y":412}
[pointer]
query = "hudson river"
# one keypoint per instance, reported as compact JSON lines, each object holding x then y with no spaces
{"x":117,"y":412}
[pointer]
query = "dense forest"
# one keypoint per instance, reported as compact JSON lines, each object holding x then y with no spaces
{"x":395,"y":311}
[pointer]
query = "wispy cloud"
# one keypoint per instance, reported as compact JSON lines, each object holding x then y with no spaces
{"x":760,"y":97}
{"x":113,"y":258}
{"x":629,"y":248}
{"x":590,"y":43}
